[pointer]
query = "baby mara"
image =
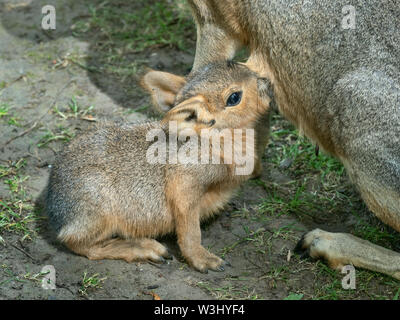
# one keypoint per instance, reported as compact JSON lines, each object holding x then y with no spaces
{"x":106,"y":201}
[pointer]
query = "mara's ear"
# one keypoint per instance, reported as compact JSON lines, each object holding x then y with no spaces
{"x":190,"y":113}
{"x":163,"y":88}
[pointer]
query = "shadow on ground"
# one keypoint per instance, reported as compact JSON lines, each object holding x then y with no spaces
{"x":121,"y":37}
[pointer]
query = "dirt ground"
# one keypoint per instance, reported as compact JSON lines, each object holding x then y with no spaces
{"x":56,"y":83}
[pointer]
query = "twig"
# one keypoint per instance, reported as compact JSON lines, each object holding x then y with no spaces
{"x":55,"y":100}
{"x":88,"y":68}
{"x":154,"y":264}
{"x":36,"y":122}
{"x":22,"y":76}
{"x":22,"y":133}
{"x":61,"y":285}
{"x":252,"y":262}
{"x":22,"y":250}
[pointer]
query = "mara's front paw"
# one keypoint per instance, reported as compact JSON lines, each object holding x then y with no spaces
{"x":202,"y":261}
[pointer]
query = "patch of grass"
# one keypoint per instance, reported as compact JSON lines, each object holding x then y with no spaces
{"x":294,"y":296}
{"x":250,"y":236}
{"x":14,"y":121}
{"x":14,"y":178}
{"x":286,"y":231}
{"x":5,"y":113}
{"x":23,"y":278}
{"x":278,"y":272}
{"x":330,"y":288}
{"x":369,"y":284}
{"x":74,"y":110}
{"x":34,"y":277}
{"x":278,"y":205}
{"x":138,"y":109}
{"x":17,"y":212}
{"x":12,"y":169}
{"x":16,"y":216}
{"x":396,"y":296}
{"x":296,"y":199}
{"x":15,"y":184}
{"x":289,"y":145}
{"x":153,"y":24}
{"x":10,"y":275}
{"x":314,"y":180}
{"x":4,"y":107}
{"x":229,"y":292}
{"x":377,"y":233}
{"x":90,"y":283}
{"x":123,"y":30}
{"x":64,"y":135}
{"x":40,"y":55}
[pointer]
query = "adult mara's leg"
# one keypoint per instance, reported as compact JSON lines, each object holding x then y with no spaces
{"x":368,"y":128}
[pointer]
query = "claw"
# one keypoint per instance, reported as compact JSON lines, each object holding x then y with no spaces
{"x":160,"y":260}
{"x":168,"y":256}
{"x":305,"y":255}
{"x":227,"y":263}
{"x":299,"y":246}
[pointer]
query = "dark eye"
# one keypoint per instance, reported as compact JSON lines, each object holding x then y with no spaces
{"x":234,"y":99}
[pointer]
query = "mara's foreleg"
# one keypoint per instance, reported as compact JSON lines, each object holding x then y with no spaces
{"x":185,"y":204}
{"x":215,"y":42}
{"x":340,"y":249}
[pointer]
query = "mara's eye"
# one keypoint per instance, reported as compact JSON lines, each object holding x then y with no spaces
{"x":234,"y":99}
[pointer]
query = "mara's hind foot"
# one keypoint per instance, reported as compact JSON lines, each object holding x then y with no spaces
{"x":125,"y":249}
{"x":340,"y":249}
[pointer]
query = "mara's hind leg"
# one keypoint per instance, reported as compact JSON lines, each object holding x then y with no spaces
{"x":92,"y":237}
{"x":125,"y":249}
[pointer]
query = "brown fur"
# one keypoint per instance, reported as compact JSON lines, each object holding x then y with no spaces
{"x":231,"y":17}
{"x":106,"y":201}
{"x":340,"y":87}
